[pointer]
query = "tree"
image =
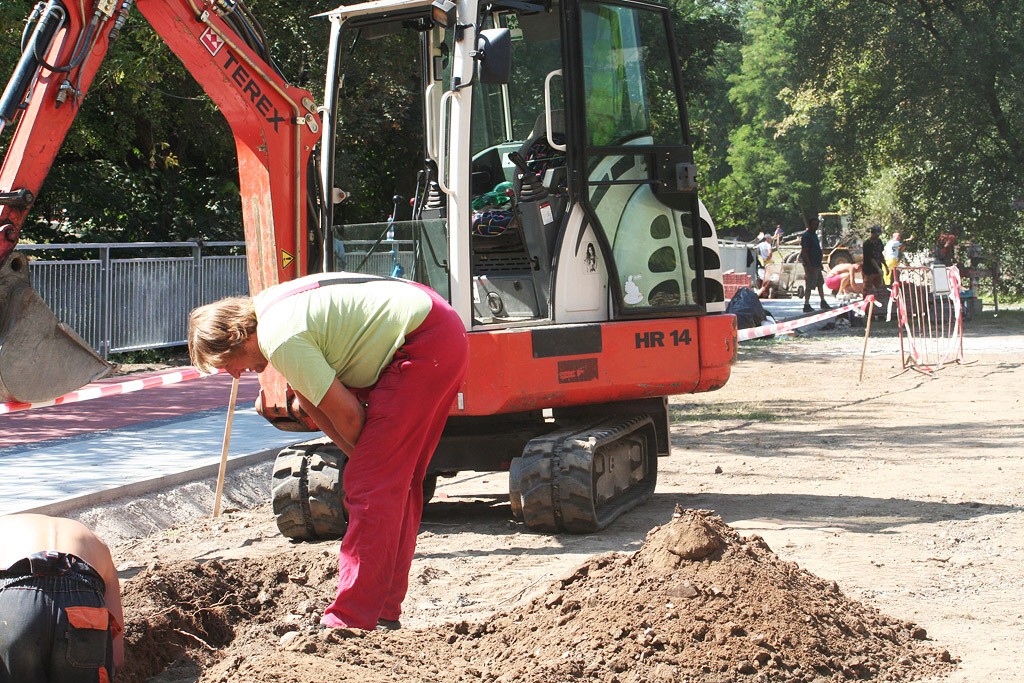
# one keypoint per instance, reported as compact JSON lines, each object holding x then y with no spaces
{"x":930,"y":108}
{"x":779,"y":148}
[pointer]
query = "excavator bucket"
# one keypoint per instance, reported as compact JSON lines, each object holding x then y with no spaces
{"x":41,"y":358}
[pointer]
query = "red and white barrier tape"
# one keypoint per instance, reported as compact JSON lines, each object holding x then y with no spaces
{"x":789,"y":325}
{"x":91,"y":391}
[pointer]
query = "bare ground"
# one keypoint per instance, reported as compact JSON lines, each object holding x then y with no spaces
{"x":858,"y":530}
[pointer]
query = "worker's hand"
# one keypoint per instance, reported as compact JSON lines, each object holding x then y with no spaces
{"x":339,"y":415}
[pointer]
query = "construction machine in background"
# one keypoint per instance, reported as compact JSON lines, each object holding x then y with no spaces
{"x":552,"y":199}
{"x":839,"y":244}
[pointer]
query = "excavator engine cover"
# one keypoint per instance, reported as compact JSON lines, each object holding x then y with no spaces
{"x":41,"y":358}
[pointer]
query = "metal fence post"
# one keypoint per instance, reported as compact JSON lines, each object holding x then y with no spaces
{"x":106,"y":287}
{"x":197,"y":272}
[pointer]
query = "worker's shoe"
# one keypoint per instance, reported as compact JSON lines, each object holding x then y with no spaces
{"x":388,"y":624}
{"x":808,"y":309}
{"x":825,"y":306}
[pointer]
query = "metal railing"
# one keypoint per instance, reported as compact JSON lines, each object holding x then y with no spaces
{"x":142,"y":302}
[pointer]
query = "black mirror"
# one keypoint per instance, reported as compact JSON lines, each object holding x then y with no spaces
{"x":494,"y":58}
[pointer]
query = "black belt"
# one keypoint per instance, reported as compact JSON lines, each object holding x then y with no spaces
{"x":50,"y":563}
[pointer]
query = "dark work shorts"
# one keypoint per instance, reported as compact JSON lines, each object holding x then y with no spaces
{"x":56,"y":623}
{"x":812,"y":277}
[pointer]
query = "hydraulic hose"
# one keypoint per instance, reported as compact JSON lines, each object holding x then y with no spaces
{"x":51,"y":20}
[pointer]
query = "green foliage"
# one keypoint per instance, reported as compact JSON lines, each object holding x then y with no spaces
{"x":909,"y":115}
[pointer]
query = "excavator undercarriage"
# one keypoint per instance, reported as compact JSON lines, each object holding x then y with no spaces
{"x":578,"y":476}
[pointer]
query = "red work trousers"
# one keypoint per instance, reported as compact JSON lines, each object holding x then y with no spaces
{"x":405,"y":415}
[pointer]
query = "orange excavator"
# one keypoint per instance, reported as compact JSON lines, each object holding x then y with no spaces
{"x":552,"y":200}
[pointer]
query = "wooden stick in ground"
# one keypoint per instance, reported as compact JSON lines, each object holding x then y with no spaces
{"x":867,"y":332}
{"x":224,"y":450}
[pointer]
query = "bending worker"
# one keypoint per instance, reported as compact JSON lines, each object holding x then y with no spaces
{"x":60,"y":603}
{"x":842,"y":279}
{"x":376,"y":362}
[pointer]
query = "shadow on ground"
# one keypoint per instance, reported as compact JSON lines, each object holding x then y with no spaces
{"x":856,"y":514}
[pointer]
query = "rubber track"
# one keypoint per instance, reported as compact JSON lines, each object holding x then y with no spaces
{"x":551,"y":485}
{"x":307,"y":492}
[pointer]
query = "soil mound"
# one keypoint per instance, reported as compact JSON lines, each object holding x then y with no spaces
{"x":696,"y":603}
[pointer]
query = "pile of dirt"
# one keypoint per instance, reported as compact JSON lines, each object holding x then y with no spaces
{"x":696,"y":603}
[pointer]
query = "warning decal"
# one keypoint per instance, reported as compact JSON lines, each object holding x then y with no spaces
{"x":286,"y":259}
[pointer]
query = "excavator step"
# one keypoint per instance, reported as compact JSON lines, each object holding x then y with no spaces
{"x":580,"y":479}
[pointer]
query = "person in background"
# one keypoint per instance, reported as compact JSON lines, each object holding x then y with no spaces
{"x":810,"y":258}
{"x":60,"y":603}
{"x":764,"y":254}
{"x":376,"y":363}
{"x":842,"y":279}
{"x":873,"y":258}
{"x":945,"y":247}
{"x":892,"y":252}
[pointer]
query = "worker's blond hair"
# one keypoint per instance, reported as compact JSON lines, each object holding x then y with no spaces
{"x":216,"y":330}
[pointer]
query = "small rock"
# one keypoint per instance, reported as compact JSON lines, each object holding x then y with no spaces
{"x":553,"y":600}
{"x":719,"y":470}
{"x":684,"y":590}
{"x":918,"y":633}
{"x":288,"y":637}
{"x":284,"y":628}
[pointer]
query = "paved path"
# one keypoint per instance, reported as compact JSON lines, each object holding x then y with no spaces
{"x":69,"y":452}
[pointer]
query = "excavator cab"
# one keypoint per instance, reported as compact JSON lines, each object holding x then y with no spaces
{"x":41,"y":358}
{"x":534,"y":162}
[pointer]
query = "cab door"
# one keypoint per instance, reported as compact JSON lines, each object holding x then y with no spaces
{"x":634,"y":175}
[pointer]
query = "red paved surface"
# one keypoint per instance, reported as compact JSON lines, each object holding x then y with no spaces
{"x":159,"y":403}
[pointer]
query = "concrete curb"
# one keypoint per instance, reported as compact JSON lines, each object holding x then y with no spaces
{"x":141,"y":488}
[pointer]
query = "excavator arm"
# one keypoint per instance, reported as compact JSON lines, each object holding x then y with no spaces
{"x":275,"y":126}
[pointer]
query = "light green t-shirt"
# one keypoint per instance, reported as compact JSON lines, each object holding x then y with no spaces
{"x":349,"y":331}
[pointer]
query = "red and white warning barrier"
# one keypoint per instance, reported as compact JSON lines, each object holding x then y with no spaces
{"x":931,"y":323}
{"x":91,"y":391}
{"x":789,"y":325}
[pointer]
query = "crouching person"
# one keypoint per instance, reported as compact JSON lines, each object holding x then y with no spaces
{"x":377,"y":363}
{"x":60,"y":603}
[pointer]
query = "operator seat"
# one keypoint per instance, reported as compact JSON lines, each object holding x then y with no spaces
{"x":537,"y":150}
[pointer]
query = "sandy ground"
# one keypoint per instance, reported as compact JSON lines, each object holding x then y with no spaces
{"x":905,"y":489}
